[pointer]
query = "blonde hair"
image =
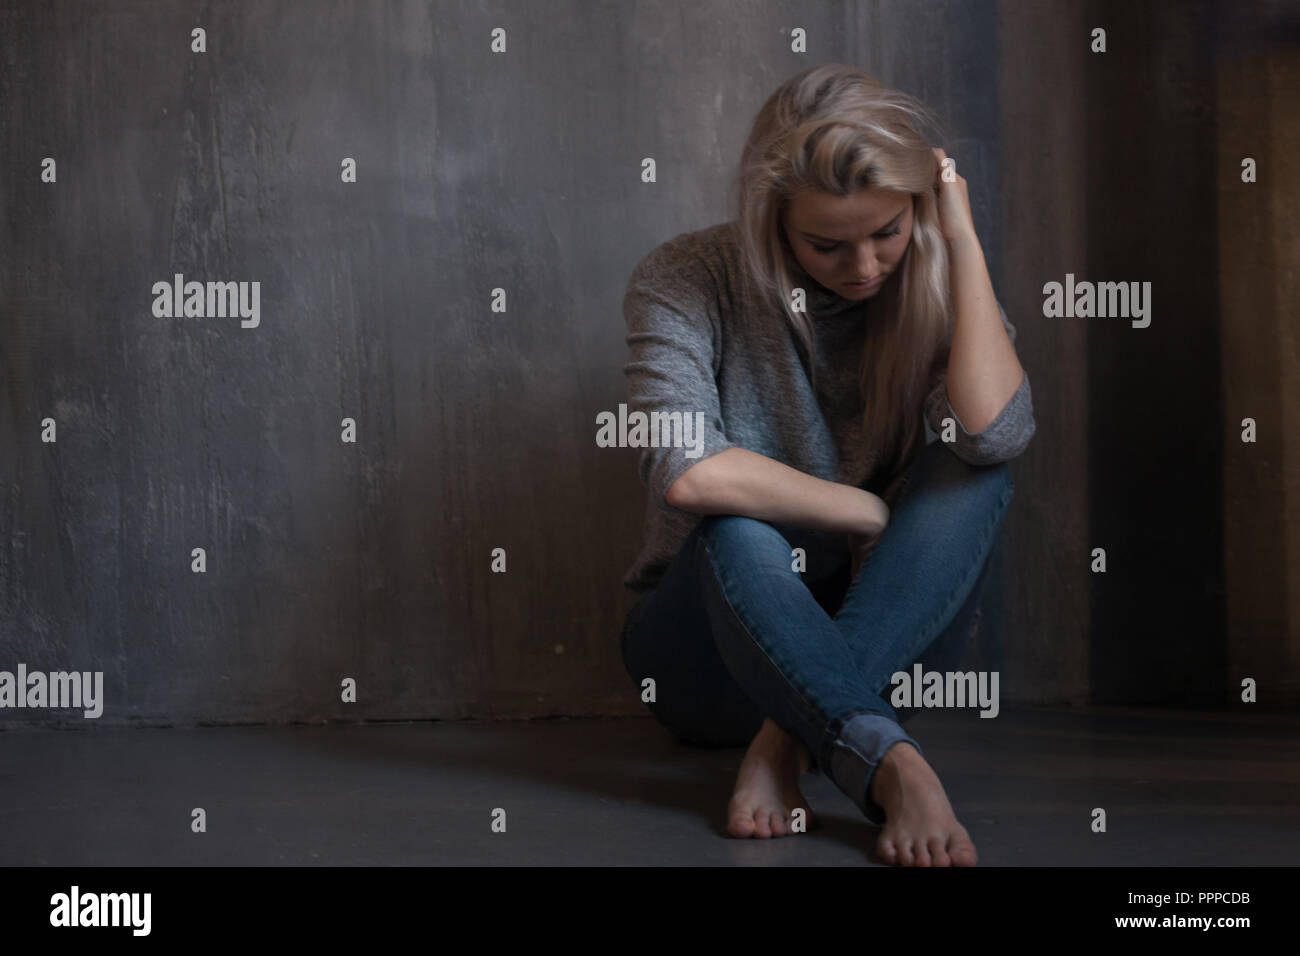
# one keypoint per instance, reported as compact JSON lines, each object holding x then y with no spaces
{"x":836,"y":128}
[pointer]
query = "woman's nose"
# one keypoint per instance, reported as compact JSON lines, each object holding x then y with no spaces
{"x":864,"y":259}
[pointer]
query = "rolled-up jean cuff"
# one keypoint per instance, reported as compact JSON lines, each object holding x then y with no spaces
{"x":855,"y":754}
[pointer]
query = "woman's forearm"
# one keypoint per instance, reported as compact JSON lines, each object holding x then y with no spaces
{"x":739,"y":481}
{"x":983,"y":370}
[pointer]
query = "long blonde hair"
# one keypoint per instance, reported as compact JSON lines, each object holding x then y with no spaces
{"x":836,"y":128}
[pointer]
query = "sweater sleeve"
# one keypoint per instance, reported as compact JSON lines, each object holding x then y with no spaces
{"x":673,"y":333}
{"x":1004,"y":438}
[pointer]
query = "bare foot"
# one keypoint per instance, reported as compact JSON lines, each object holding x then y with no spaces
{"x":767,"y":790}
{"x":920,"y":829}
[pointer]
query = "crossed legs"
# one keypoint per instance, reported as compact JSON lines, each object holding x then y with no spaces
{"x":742,"y":649}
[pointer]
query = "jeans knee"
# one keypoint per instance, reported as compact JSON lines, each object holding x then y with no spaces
{"x":740,"y":529}
{"x":995,"y":485}
{"x":984,"y":486}
{"x":994,"y":478}
{"x":740,"y":539}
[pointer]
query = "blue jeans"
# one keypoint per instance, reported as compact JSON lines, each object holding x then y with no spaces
{"x":731,"y":634}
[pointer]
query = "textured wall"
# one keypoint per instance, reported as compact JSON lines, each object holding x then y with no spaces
{"x":1258,"y":87}
{"x":1127,"y":166}
{"x":475,"y":428}
{"x":1042,"y":200}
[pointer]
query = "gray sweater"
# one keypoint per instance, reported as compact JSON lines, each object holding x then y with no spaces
{"x":700,"y":340}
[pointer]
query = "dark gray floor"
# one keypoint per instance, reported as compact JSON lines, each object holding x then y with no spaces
{"x":1178,"y":788}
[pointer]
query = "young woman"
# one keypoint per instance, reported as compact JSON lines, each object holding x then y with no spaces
{"x":852,"y":394}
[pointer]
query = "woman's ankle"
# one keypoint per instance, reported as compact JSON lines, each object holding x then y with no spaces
{"x":788,"y":742}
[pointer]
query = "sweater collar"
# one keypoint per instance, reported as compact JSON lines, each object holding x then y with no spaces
{"x":822,"y":302}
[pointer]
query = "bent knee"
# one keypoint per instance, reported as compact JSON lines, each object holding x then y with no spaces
{"x":995,"y":478}
{"x":743,"y":530}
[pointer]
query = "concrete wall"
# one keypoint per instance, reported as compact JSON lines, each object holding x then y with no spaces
{"x":1258,"y":87}
{"x":1126,"y":166}
{"x":475,"y":428}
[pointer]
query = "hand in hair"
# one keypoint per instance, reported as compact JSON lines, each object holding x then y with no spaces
{"x":955,"y":219}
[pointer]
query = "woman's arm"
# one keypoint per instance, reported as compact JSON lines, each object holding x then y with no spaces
{"x":983,"y":370}
{"x":984,"y":373}
{"x":739,"y":481}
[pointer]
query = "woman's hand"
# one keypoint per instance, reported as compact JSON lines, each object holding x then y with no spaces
{"x":874,"y":520}
{"x":955,"y":221}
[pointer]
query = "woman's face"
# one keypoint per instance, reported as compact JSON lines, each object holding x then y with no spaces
{"x":840,"y":240}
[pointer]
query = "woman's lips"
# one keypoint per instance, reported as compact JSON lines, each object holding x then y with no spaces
{"x":866,"y":285}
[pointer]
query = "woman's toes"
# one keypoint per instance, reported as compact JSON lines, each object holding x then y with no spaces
{"x":938,"y":853}
{"x":905,"y":854}
{"x":963,"y":853}
{"x":921,"y":854}
{"x":742,"y":820}
{"x":888,"y":852}
{"x":741,"y":823}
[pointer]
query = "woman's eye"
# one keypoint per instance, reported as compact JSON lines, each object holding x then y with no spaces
{"x":884,"y":235}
